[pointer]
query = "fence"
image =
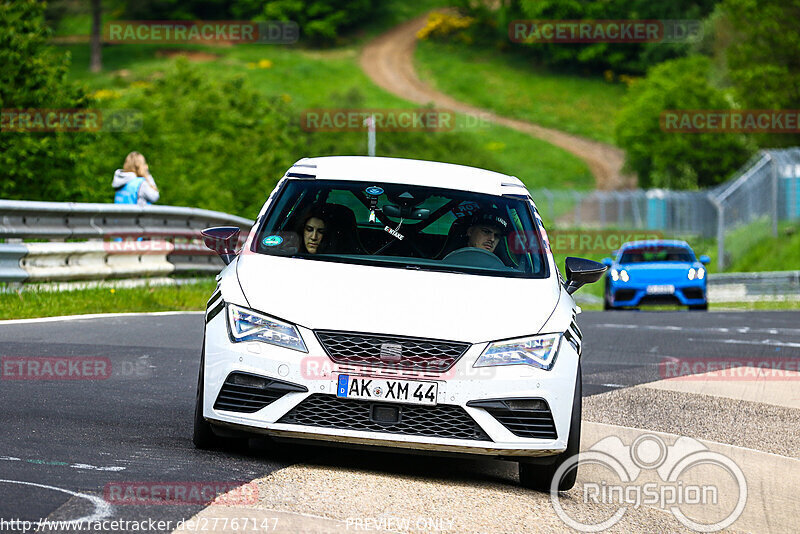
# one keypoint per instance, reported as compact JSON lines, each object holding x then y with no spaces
{"x":749,"y":287}
{"x":766,"y":188}
{"x":55,"y":241}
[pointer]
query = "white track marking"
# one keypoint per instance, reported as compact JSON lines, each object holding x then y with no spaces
{"x":720,"y":330}
{"x":96,"y":316}
{"x":763,"y":342}
{"x":102,"y":509}
{"x":62,"y":464}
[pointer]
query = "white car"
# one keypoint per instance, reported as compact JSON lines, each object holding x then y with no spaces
{"x":396,"y":303}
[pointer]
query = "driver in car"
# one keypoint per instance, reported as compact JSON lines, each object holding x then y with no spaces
{"x":486,"y":229}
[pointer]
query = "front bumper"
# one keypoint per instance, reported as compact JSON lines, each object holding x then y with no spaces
{"x":456,"y":387}
{"x":691,"y":293}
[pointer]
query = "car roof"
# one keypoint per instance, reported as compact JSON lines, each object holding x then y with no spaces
{"x":408,"y":171}
{"x":656,"y":242}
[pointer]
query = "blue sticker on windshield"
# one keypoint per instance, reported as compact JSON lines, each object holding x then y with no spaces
{"x":374,"y":191}
{"x":272,"y":241}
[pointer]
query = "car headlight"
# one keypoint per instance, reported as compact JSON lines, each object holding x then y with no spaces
{"x":247,"y":325}
{"x":623,"y":275}
{"x":614,"y":275}
{"x":538,"y":351}
{"x":692,"y":273}
{"x":700,"y":273}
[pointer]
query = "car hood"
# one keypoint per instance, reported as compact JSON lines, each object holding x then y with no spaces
{"x":385,"y":300}
{"x":663,"y":272}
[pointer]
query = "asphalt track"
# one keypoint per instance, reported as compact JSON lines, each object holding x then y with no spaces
{"x":80,"y":435}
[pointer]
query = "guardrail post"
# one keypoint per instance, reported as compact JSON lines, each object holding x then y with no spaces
{"x":774,"y":197}
{"x":720,"y":236}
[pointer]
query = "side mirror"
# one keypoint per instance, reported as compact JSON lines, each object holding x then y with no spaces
{"x":222,"y":240}
{"x":581,"y":271}
{"x":608,"y":262}
{"x":705,"y":260}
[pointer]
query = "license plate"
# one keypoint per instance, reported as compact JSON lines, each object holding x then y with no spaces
{"x":661,"y":290}
{"x":378,"y":389}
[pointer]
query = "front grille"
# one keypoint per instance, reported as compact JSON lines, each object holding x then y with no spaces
{"x":660,"y":300}
{"x":693,"y":293}
{"x":248,"y":393}
{"x":526,"y":418}
{"x":413,"y":353}
{"x":441,"y":421}
{"x":624,"y":294}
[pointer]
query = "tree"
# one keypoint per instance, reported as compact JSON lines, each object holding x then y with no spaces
{"x":675,"y":159}
{"x":764,"y":59}
{"x":97,"y":21}
{"x":32,"y":75}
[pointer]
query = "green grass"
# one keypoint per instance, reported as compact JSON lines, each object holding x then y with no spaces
{"x":513,"y":87}
{"x":315,"y":78}
{"x":40,"y":303}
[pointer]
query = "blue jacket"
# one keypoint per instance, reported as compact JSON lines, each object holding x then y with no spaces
{"x":132,"y":189}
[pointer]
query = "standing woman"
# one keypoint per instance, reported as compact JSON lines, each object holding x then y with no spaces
{"x":133,"y":183}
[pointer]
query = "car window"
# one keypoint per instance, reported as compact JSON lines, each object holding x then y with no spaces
{"x":405,"y":226}
{"x":658,"y":254}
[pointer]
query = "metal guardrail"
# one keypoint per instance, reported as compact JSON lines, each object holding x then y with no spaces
{"x":117,"y":241}
{"x":747,"y":287}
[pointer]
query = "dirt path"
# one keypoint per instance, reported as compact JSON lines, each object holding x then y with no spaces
{"x":389,"y":61}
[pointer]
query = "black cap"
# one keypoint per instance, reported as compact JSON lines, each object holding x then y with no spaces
{"x":491,"y":217}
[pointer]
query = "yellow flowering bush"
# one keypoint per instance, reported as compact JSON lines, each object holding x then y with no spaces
{"x":444,"y":24}
{"x":104,"y":94}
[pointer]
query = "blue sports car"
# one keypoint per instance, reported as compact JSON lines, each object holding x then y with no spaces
{"x":656,"y":272}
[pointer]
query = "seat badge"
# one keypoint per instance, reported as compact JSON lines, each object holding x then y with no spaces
{"x":391,"y":352}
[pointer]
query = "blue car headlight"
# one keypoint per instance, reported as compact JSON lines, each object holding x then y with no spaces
{"x":698,"y":273}
{"x":247,"y":325}
{"x":538,"y":351}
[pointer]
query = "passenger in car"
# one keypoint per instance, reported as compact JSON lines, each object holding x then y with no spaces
{"x":486,"y":229}
{"x":312,"y":230}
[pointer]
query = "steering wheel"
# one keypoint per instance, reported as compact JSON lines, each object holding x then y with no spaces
{"x":474,"y":257}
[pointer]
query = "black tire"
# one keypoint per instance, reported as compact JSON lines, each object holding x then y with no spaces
{"x":539,"y":477}
{"x":699,"y":307}
{"x":203,"y":435}
{"x":606,"y":302}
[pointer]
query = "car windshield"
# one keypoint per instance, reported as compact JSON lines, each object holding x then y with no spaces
{"x":657,"y":254}
{"x":404,"y":226}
